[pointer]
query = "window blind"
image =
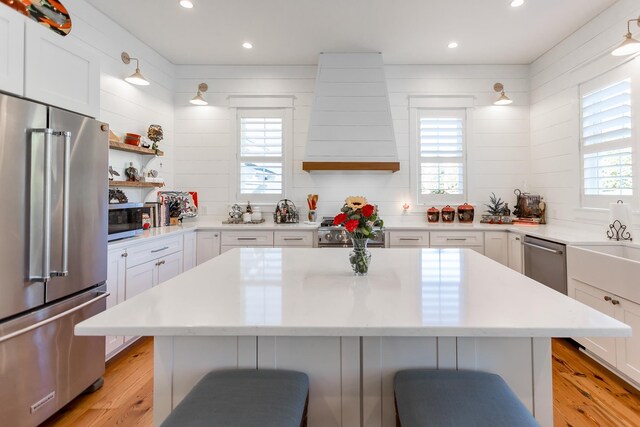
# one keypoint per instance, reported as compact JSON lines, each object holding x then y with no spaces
{"x":607,"y":141}
{"x":261,"y":155}
{"x":441,"y":154}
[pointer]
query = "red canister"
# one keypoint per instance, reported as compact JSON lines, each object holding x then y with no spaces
{"x":433,"y":214}
{"x":465,"y":213}
{"x":448,"y":214}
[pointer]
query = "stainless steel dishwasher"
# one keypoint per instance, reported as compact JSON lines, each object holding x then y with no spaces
{"x":546,"y":262}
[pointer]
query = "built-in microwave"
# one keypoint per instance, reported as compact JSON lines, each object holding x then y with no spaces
{"x":125,"y":220}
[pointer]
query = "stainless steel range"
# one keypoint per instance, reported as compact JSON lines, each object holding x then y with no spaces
{"x":331,"y":236}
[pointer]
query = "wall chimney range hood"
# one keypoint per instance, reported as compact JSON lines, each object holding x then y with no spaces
{"x":351,"y":126}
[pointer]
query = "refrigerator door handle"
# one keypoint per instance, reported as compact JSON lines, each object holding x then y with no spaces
{"x":65,"y":204}
{"x":7,"y":337}
{"x":44,"y":275}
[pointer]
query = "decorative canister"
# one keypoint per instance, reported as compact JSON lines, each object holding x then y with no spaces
{"x":433,"y":214}
{"x":465,"y":213}
{"x":448,"y":214}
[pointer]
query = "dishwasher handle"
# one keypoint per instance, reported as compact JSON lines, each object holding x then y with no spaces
{"x":531,"y":245}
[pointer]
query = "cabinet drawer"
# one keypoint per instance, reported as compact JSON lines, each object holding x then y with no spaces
{"x":149,"y":251}
{"x":293,"y":238}
{"x":247,"y":238}
{"x":408,"y":238}
{"x":457,"y":238}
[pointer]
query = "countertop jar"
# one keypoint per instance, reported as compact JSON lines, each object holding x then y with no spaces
{"x":465,"y":213}
{"x":433,"y":214}
{"x":448,"y":214}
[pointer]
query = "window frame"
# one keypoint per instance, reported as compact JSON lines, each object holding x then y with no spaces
{"x":616,"y":75}
{"x":416,"y":114}
{"x":286,"y":115}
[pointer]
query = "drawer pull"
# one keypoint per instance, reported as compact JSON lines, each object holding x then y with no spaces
{"x":607,"y":298}
{"x":615,"y":302}
{"x":293,"y":238}
{"x":247,"y":238}
{"x":413,"y":239}
{"x":160,"y":262}
{"x":160,"y":250}
{"x":456,"y":239}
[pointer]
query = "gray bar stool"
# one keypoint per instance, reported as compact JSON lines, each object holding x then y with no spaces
{"x":245,"y":398}
{"x":442,"y":398}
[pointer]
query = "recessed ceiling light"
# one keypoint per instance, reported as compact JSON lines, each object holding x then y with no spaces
{"x":452,"y":45}
{"x":186,"y":4}
{"x":247,"y":45}
{"x":516,"y":3}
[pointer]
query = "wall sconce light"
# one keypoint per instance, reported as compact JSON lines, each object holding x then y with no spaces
{"x":629,"y":45}
{"x":503,"y":99}
{"x":199,"y":98}
{"x":136,"y":78}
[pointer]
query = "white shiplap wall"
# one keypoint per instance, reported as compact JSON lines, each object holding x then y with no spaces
{"x":498,"y":140}
{"x":125,"y":107}
{"x":555,"y":114}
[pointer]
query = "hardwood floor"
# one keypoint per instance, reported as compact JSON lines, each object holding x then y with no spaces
{"x":584,"y":393}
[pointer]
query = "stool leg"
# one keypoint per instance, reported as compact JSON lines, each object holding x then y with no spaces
{"x":303,"y":422}
{"x":395,"y":403}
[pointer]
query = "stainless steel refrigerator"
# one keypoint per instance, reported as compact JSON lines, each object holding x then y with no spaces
{"x":53,"y":256}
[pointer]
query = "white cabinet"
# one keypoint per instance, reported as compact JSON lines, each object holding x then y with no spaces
{"x":140,"y":278}
{"x":61,"y":71}
{"x":283,"y":239}
{"x":603,"y":347}
{"x":189,"y":251}
{"x":496,"y":246}
{"x":168,"y":267}
{"x":11,"y":51}
{"x":515,"y":252}
{"x":458,"y":239}
{"x":407,"y":239}
{"x":245,"y":239}
{"x":116,"y":274}
{"x":628,"y":349}
{"x":208,"y":245}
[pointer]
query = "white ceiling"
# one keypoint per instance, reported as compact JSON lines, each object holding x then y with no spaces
{"x":405,"y":31}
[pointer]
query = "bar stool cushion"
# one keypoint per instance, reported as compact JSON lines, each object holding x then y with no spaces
{"x":428,"y":397}
{"x":244,"y":398}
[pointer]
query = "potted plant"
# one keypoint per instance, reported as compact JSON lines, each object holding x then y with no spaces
{"x":496,"y":211}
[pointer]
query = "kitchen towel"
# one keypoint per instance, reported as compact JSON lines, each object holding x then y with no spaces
{"x":622,"y":213}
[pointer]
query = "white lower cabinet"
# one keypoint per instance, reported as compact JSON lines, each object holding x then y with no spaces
{"x":408,"y":239}
{"x":621,"y":353}
{"x":515,"y":252}
{"x":189,"y":252}
{"x":496,"y":246}
{"x":208,"y":245}
{"x":116,"y":274}
{"x":457,"y":239}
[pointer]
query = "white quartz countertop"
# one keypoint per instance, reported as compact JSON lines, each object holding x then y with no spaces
{"x":312,"y":292}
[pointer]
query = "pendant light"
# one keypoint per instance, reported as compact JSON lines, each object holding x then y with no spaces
{"x":629,"y":45}
{"x":136,"y":78}
{"x":503,"y":99}
{"x":199,"y":98}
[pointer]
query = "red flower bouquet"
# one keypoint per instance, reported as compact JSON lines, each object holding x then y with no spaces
{"x":358,"y":218}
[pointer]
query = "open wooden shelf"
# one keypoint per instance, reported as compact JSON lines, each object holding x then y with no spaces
{"x":135,"y":184}
{"x":351,"y":166}
{"x":134,"y":149}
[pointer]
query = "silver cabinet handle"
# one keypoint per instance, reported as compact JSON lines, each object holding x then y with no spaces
{"x":246,"y":238}
{"x":413,"y":239}
{"x":607,"y":298}
{"x":293,"y":238}
{"x":160,"y":262}
{"x":615,"y":302}
{"x":102,"y":295}
{"x":215,"y":235}
{"x":531,"y":245}
{"x":44,"y":274}
{"x":65,"y":204}
{"x":456,"y":239}
{"x":517,"y":238}
{"x":160,"y":250}
{"x":124,"y":254}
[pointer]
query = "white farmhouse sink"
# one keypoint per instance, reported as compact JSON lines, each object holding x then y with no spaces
{"x":613,"y":267}
{"x":620,"y":250}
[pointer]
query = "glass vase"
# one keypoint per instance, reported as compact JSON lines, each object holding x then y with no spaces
{"x":360,"y":257}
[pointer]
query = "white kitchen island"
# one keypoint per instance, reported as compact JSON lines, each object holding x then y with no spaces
{"x":303,"y":309}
